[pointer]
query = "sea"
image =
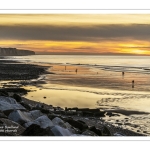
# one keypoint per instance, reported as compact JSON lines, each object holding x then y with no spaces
{"x":118,"y":83}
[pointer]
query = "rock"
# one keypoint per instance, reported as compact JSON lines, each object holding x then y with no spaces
{"x":42,"y":121}
{"x":105,"y":131}
{"x":17,"y":97}
{"x":110,"y":114}
{"x":99,"y":114}
{"x":71,"y":113}
{"x":4,"y":93}
{"x":89,"y":133}
{"x":97,"y":131}
{"x":58,"y":121}
{"x":8,"y":104}
{"x":87,"y":113}
{"x":36,"y":130}
{"x":2,"y":115}
{"x":77,"y":124}
{"x":118,"y":134}
{"x":52,"y":116}
{"x":59,"y":131}
{"x":27,"y":106}
{"x":11,"y":128}
{"x":71,"y":129}
{"x":45,"y":111}
{"x":38,"y":106}
{"x":62,"y":112}
{"x":35,"y":114}
{"x":22,"y":117}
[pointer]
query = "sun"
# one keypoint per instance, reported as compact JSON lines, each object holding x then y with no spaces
{"x":138,"y":51}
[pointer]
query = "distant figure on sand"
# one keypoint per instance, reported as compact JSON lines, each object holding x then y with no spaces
{"x":132,"y":83}
{"x":122,"y":75}
{"x":65,"y":67}
{"x":76,"y":71}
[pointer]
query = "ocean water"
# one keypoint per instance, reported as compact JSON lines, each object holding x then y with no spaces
{"x":98,"y":83}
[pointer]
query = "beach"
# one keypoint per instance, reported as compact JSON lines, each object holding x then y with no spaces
{"x":80,"y":90}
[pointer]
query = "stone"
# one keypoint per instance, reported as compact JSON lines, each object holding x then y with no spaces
{"x":17,"y":97}
{"x":27,"y":106}
{"x":77,"y":124}
{"x":57,"y":121}
{"x":42,"y":121}
{"x":59,"y":131}
{"x":118,"y":134}
{"x":2,"y":115}
{"x":52,"y":116}
{"x":105,"y":131}
{"x":89,"y":133}
{"x":36,"y":130}
{"x":99,"y":114}
{"x":22,"y":117}
{"x":97,"y":131}
{"x":8,"y":104}
{"x":11,"y":128}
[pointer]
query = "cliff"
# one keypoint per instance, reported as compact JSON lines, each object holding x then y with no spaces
{"x":15,"y":52}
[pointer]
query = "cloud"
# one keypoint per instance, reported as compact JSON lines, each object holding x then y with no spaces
{"x":75,"y":33}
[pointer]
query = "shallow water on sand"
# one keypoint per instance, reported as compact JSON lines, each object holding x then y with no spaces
{"x":98,"y":86}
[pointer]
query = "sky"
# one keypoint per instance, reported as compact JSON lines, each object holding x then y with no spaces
{"x":111,"y":34}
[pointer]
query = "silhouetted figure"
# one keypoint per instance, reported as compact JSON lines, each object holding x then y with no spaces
{"x":76,"y":71}
{"x":65,"y":67}
{"x":122,"y":75}
{"x":132,"y":83}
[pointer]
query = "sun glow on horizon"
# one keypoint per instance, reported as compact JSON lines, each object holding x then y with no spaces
{"x":90,"y":40}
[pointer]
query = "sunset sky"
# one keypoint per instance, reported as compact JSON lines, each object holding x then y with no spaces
{"x":77,"y":34}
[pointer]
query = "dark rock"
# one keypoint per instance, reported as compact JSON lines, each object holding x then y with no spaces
{"x":87,"y":113}
{"x":14,"y":90}
{"x":17,"y":97}
{"x":42,"y":121}
{"x":11,"y":128}
{"x":71,"y":113}
{"x":83,"y":109}
{"x":44,"y":97}
{"x":36,"y":130}
{"x":97,"y":131}
{"x":105,"y":131}
{"x":60,"y":112}
{"x":22,"y":117}
{"x":118,"y":134}
{"x":4,"y":93}
{"x":89,"y":133}
{"x":27,"y":106}
{"x":99,"y":114}
{"x":2,"y":115}
{"x":59,"y":131}
{"x":45,"y":111}
{"x":52,"y":116}
{"x":77,"y":124}
{"x":8,"y":104}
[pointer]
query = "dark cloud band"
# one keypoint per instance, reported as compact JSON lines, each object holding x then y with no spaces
{"x":75,"y":33}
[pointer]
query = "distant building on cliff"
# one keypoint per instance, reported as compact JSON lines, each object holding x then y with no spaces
{"x":15,"y":52}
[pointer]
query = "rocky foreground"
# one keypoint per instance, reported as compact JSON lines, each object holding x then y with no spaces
{"x":22,"y":117}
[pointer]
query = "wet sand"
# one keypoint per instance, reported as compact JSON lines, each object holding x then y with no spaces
{"x":62,"y":77}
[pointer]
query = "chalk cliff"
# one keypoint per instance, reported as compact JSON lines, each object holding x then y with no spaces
{"x":15,"y":52}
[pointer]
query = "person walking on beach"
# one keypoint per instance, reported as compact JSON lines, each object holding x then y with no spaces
{"x":65,"y":67}
{"x":76,"y":71}
{"x":132,"y":83}
{"x":122,"y":75}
